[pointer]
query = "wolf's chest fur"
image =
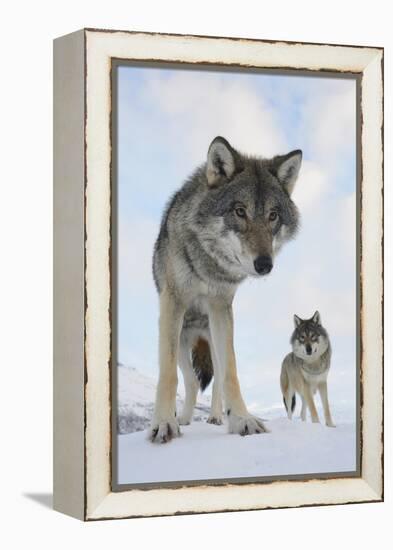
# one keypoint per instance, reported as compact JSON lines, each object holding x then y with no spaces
{"x":315,"y":372}
{"x":314,"y":378}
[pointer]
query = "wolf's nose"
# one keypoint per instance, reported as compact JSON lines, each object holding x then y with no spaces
{"x":308,"y":350}
{"x":263,"y":265}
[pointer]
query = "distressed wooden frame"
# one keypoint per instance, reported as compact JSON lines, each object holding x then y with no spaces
{"x":82,"y":291}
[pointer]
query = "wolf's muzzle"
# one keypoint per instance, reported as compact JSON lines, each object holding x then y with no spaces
{"x":263,"y":265}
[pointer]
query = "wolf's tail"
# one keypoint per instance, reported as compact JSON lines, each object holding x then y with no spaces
{"x":202,"y":363}
{"x":284,"y":382}
{"x":293,"y":404}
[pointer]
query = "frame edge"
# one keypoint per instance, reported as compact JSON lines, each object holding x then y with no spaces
{"x":68,"y":290}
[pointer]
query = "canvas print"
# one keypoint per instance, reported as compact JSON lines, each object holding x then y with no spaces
{"x":234,"y":224}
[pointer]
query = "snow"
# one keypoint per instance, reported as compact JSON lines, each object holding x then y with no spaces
{"x":207,"y":451}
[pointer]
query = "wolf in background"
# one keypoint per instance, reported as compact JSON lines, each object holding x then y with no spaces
{"x":226,"y":223}
{"x":306,"y":369}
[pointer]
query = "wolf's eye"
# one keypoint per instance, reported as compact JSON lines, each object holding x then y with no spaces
{"x":240,"y":211}
{"x":273,"y":216}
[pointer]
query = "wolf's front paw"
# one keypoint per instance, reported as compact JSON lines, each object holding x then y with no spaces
{"x":246,"y":425}
{"x":164,"y":431}
{"x":330,"y":424}
{"x":217,"y":420}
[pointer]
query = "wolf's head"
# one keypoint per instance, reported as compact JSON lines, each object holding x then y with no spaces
{"x":309,"y":339}
{"x":248,"y":207}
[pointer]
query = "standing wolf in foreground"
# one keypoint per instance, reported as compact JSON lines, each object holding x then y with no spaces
{"x":226,"y":223}
{"x":306,"y":369}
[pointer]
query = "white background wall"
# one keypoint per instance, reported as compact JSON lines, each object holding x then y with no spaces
{"x":26,"y":355}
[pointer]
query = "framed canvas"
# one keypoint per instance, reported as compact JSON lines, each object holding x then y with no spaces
{"x":218,"y":268}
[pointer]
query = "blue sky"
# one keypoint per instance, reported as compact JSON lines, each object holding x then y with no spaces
{"x":166,"y":121}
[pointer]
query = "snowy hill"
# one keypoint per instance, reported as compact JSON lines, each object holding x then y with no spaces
{"x":136,"y":394}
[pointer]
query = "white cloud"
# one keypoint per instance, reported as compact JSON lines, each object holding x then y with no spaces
{"x":201,"y":108}
{"x":329,"y":122}
{"x":310,"y":187}
{"x":136,"y":241}
{"x":347,"y":223}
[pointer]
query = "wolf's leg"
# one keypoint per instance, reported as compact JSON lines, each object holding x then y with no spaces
{"x":325,"y":403}
{"x":221,"y":328}
{"x":190,"y":382}
{"x":216,"y":406}
{"x":310,"y":403}
{"x":164,"y":425}
{"x":303,"y":413}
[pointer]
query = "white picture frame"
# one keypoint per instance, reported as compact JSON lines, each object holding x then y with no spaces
{"x":82,"y":259}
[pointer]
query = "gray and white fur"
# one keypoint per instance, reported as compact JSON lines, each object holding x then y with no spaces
{"x":305,"y":370}
{"x":226,"y":223}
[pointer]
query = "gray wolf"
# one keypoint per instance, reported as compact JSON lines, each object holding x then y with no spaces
{"x":306,"y":369}
{"x":226,"y":223}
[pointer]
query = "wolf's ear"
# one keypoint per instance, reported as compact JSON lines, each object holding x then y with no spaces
{"x":222,"y":162}
{"x":316,"y":318}
{"x":286,"y":169}
{"x":296,"y":320}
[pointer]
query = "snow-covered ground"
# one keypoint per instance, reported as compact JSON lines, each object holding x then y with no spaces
{"x":208,"y":452}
